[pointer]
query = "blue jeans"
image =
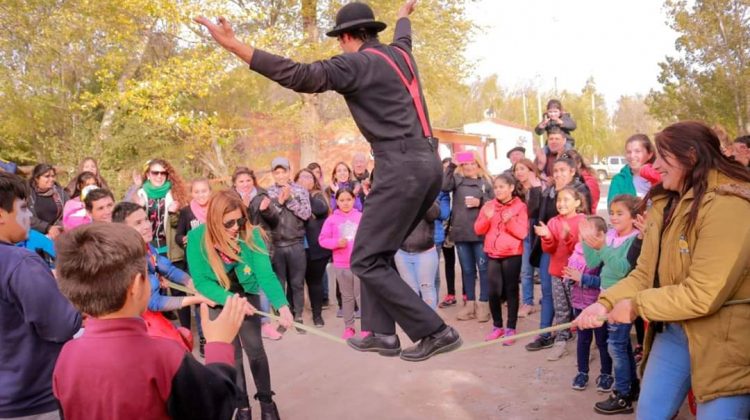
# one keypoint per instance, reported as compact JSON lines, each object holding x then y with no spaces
{"x":418,"y":271}
{"x":666,"y":382}
{"x":527,"y":274}
{"x":618,"y":343}
{"x":548,"y":305}
{"x":438,"y":249}
{"x":470,"y":257}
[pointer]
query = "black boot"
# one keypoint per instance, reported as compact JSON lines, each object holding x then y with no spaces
{"x":383,"y":344}
{"x":616,"y":404}
{"x":439,"y":342}
{"x":268,"y":411}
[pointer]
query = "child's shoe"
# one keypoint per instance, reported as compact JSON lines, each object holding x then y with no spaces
{"x":604,"y":383}
{"x":509,"y":332}
{"x":494,"y":334}
{"x":268,"y":331}
{"x":540,"y":343}
{"x":615,"y":404}
{"x":448,"y":300}
{"x":348,"y":333}
{"x":364,"y":334}
{"x":580,"y":381}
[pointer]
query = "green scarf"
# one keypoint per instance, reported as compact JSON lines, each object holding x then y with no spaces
{"x":156,"y":193}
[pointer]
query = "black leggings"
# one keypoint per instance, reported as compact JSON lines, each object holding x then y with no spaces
{"x":314,"y":279}
{"x":449,"y":254}
{"x":504,"y":278}
{"x":250,"y":340}
{"x":640,"y":330}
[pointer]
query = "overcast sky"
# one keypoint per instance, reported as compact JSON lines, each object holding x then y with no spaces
{"x":618,"y":42}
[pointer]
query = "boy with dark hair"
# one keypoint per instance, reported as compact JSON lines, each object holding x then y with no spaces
{"x":99,"y":204}
{"x":116,"y":370}
{"x":36,"y":320}
{"x":135,"y":216}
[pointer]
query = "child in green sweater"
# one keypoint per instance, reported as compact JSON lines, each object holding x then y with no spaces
{"x":611,"y":250}
{"x":227,"y":255}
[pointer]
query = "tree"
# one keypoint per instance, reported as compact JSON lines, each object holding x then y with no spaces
{"x":632,"y":117}
{"x":710,"y":78}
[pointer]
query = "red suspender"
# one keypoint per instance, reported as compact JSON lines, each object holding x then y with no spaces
{"x":412,"y":87}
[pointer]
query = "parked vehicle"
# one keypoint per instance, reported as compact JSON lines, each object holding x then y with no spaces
{"x":609,"y":167}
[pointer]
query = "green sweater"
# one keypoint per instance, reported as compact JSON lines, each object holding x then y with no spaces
{"x":253,"y":271}
{"x":622,"y":183}
{"x":616,"y":265}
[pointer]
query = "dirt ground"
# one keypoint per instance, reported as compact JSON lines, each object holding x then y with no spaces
{"x":318,"y":379}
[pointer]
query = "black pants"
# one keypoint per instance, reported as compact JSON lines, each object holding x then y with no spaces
{"x":314,"y":279}
{"x":408,"y":177}
{"x":504,"y":277}
{"x":183,"y":313}
{"x":290,"y":264}
{"x":249,"y":338}
{"x":449,"y":257}
{"x":640,"y":330}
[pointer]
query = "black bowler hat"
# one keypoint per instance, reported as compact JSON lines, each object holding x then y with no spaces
{"x":516,"y":149}
{"x":355,"y":16}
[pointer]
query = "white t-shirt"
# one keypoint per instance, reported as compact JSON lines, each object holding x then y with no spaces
{"x":641,"y":186}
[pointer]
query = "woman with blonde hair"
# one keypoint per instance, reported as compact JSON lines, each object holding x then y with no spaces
{"x":227,"y":255}
{"x":471,"y":187}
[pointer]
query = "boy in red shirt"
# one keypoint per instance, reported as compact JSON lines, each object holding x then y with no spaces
{"x":116,"y":370}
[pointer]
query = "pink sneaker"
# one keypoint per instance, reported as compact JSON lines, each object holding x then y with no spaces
{"x":348,"y":333}
{"x":364,"y":334}
{"x":270,"y":332}
{"x":495,"y":334}
{"x":509,"y":332}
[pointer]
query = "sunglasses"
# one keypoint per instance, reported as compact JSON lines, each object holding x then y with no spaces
{"x":231,"y":223}
{"x":158,"y":173}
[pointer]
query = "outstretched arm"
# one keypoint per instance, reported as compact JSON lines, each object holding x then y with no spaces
{"x":223,"y":34}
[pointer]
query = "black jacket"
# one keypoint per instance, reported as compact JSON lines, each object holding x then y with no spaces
{"x":314,"y":225}
{"x":462,"y":217}
{"x":422,"y":237}
{"x":185,"y":223}
{"x":266,"y":219}
{"x":381,"y":106}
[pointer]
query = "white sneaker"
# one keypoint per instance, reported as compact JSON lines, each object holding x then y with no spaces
{"x":559,"y":349}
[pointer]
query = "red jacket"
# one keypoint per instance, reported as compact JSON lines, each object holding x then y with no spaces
{"x":503,"y":239}
{"x":558,"y":247}
{"x":593,"y":184}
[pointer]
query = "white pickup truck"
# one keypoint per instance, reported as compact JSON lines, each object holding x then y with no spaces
{"x":609,"y":166}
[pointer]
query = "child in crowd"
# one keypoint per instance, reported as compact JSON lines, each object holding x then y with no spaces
{"x":74,"y":211}
{"x":557,"y":117}
{"x":116,"y":370}
{"x":611,"y":250}
{"x":584,"y":292}
{"x":559,"y":239}
{"x":338,"y":234}
{"x":159,"y":266}
{"x":504,"y":223}
{"x":36,"y":318}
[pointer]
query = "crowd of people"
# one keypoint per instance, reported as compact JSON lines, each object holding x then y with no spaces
{"x":80,"y":308}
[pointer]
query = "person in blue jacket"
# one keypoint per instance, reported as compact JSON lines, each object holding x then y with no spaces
{"x":40,"y":244}
{"x":159,"y":266}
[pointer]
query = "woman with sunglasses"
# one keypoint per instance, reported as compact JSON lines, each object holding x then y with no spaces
{"x":228,"y":255}
{"x":163,"y":193}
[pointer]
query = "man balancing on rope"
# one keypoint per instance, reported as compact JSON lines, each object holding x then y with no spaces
{"x":381,"y":86}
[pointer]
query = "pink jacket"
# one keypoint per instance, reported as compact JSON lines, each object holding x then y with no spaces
{"x":502,"y":240}
{"x":340,"y":225}
{"x":558,"y":247}
{"x":74,"y":214}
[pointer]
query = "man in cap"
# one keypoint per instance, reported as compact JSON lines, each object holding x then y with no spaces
{"x":515,"y":154}
{"x":380,"y":84}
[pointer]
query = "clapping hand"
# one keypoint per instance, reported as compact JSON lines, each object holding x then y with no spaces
{"x":640,"y":224}
{"x":489,"y":211}
{"x":590,"y":236}
{"x":573,"y":274}
{"x":542,"y":230}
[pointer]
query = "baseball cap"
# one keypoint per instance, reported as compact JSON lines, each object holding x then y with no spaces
{"x":280,"y":161}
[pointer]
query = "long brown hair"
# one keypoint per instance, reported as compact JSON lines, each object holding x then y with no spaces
{"x":698,"y":149}
{"x":179,"y":189}
{"x":217,"y":240}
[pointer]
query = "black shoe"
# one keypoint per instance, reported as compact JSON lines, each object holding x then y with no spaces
{"x":299,"y":330}
{"x":384,"y":344}
{"x":615,"y":404}
{"x":268,"y":411}
{"x":326,"y":304}
{"x":441,"y":342}
{"x":202,"y":347}
{"x":244,"y":414}
{"x":318,"y":321}
{"x":540,"y":343}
